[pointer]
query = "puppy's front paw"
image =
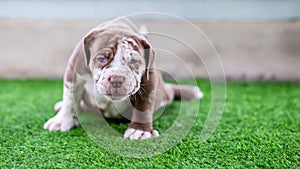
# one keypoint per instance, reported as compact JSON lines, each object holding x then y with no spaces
{"x":136,"y":134}
{"x":61,"y":122}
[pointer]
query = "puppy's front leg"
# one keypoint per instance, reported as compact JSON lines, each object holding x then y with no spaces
{"x":66,"y":118}
{"x":141,"y":120}
{"x":141,"y":123}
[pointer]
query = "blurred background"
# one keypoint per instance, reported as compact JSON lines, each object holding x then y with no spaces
{"x":255,"y":39}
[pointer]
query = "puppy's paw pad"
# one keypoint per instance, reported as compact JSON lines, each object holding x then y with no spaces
{"x":57,"y":106}
{"x":61,"y":122}
{"x":146,"y":135}
{"x":135,"y":134}
{"x":154,"y":133}
{"x":129,"y":132}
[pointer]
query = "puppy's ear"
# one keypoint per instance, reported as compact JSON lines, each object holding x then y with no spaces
{"x":148,"y":52}
{"x":87,"y":40}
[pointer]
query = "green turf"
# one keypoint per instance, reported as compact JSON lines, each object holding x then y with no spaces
{"x":260,"y":128}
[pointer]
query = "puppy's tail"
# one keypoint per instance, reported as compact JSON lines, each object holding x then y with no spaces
{"x":183,"y":92}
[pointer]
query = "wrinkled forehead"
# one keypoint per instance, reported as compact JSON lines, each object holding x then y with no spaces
{"x":114,"y":42}
{"x":128,"y":48}
{"x":129,"y":43}
{"x":105,"y":40}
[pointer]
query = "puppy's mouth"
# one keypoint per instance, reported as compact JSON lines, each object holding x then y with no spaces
{"x":116,"y":96}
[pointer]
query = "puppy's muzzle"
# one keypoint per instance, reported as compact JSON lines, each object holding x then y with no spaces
{"x":116,"y":81}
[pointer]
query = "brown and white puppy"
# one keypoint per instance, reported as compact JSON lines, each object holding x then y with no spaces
{"x":115,"y":64}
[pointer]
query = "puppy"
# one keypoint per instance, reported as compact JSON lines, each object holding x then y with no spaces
{"x":114,"y":64}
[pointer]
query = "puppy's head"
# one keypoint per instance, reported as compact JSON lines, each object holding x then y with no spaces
{"x":117,"y":62}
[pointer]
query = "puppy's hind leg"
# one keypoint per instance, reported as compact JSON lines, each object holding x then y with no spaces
{"x":58,"y":106}
{"x":184,"y":92}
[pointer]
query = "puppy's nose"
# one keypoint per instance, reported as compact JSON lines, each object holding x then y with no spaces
{"x":116,"y":81}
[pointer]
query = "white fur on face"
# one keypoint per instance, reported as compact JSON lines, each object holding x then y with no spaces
{"x":127,"y":63}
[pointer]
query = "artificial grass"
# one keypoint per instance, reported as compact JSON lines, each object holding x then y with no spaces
{"x":260,"y":128}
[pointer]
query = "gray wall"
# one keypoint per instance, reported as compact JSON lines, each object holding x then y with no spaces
{"x":256,"y":40}
{"x":190,"y":9}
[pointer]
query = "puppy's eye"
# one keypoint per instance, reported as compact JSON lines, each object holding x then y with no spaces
{"x":104,"y":56}
{"x":102,"y":59}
